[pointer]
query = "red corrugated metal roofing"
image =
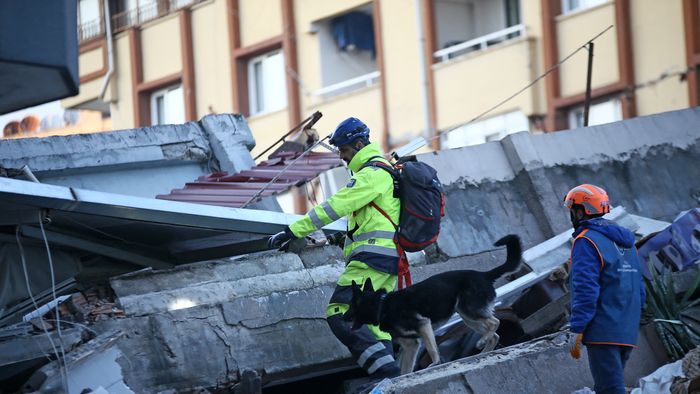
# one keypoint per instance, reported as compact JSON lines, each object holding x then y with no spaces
{"x":223,"y":189}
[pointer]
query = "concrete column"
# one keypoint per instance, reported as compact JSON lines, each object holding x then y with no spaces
{"x":231,"y":141}
{"x":536,"y":190}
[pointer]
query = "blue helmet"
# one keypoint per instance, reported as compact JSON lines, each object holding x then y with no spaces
{"x":348,"y":131}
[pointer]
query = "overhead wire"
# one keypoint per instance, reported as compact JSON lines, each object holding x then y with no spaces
{"x":279,"y":174}
{"x":441,"y":134}
{"x":63,"y":371}
{"x":526,"y":87}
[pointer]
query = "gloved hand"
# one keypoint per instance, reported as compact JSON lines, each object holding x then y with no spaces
{"x":276,"y":241}
{"x":575,"y":345}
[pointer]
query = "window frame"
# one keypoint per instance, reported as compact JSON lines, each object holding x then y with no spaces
{"x":163,"y":92}
{"x":582,"y":5}
{"x":575,"y":112}
{"x":252,"y":79}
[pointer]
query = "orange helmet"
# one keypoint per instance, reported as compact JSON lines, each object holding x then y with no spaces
{"x":594,"y":199}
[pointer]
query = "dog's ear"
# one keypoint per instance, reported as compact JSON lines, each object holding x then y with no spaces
{"x":355,"y":290}
{"x":349,"y":315}
{"x":368,"y":285}
{"x":356,"y":324}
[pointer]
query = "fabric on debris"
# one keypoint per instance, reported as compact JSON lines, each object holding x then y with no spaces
{"x":678,"y":246}
{"x":659,"y":382}
{"x":354,"y":28}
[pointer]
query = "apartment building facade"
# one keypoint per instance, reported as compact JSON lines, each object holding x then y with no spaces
{"x":406,"y":67}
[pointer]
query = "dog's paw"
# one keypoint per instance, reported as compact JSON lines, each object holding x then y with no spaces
{"x":434,"y":363}
{"x":488,"y":343}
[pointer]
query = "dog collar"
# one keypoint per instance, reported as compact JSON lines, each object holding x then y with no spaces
{"x":379,"y":308}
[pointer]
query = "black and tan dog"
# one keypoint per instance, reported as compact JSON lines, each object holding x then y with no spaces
{"x":415,"y":311}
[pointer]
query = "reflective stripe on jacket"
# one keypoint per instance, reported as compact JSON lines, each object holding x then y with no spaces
{"x":370,"y":234}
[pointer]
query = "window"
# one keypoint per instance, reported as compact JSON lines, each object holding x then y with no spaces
{"x":348,"y":60}
{"x":267,"y":86}
{"x":600,"y":113}
{"x":568,"y":6}
{"x":168,"y":106}
{"x":89,"y":20}
{"x":491,"y":129}
{"x":139,"y":11}
{"x":180,"y":3}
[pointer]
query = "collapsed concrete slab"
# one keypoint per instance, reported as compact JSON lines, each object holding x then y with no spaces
{"x":542,"y":365}
{"x":204,"y":324}
{"x":647,"y":164}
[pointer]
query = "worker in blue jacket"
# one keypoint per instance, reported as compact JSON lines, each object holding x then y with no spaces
{"x":607,"y":293}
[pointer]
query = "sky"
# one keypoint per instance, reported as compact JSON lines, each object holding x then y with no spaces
{"x":51,"y":108}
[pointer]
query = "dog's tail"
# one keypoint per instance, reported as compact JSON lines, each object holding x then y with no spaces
{"x":514,"y":255}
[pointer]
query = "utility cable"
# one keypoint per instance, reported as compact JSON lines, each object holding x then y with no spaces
{"x":53,"y":292}
{"x":526,"y":87}
{"x":259,"y":192}
{"x":63,"y":372}
{"x":439,"y":135}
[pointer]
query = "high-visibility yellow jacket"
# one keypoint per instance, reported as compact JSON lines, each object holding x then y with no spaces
{"x":370,"y":234}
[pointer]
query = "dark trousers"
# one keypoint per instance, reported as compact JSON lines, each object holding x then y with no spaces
{"x":607,"y":364}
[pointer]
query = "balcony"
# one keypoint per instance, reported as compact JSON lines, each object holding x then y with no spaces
{"x":90,"y":30}
{"x":467,"y":85}
{"x":348,"y":85}
{"x":146,"y":11}
{"x":480,"y":43}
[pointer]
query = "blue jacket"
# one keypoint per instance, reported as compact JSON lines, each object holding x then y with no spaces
{"x":607,"y":293}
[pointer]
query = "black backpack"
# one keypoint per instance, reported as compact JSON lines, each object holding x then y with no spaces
{"x":422,"y":202}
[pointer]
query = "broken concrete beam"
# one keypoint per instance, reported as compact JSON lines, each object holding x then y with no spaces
{"x":92,"y":367}
{"x":546,"y":318}
{"x":542,"y":365}
{"x":231,"y":140}
{"x":31,"y":347}
{"x":209,"y":346}
{"x":208,"y":284}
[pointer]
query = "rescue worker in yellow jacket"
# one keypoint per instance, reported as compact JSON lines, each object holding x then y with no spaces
{"x":369,"y":248}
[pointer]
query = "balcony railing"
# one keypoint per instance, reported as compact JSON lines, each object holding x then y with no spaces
{"x":349,"y":84}
{"x":147,"y":12}
{"x":480,"y":43}
{"x":91,"y":29}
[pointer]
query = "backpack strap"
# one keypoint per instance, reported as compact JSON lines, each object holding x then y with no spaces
{"x":386,"y":215}
{"x":386,"y":167}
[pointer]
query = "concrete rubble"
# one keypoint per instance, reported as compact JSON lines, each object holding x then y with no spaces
{"x":260,"y":319}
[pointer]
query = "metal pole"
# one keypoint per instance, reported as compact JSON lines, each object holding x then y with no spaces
{"x":587,"y":102}
{"x":423,"y":73}
{"x":311,"y":121}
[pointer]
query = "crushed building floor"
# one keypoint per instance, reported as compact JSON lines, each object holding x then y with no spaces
{"x":206,"y":324}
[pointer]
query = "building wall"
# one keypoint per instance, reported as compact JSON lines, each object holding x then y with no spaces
{"x":160,"y":48}
{"x":268,"y":128}
{"x":259,"y":20}
{"x":659,"y":48}
{"x":573,"y":30}
{"x":227,"y":33}
{"x":461,"y":98}
{"x":122,"y":110}
{"x":402,"y":58}
{"x":212,"y":68}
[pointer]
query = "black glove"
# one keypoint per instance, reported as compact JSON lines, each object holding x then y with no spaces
{"x":276,"y":241}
